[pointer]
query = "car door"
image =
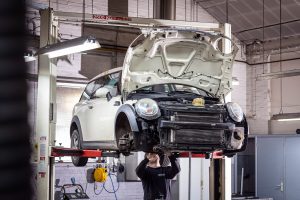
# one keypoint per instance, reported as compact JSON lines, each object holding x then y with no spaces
{"x":102,"y":111}
{"x":82,"y":107}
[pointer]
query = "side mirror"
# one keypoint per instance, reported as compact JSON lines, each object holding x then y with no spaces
{"x":101,"y":92}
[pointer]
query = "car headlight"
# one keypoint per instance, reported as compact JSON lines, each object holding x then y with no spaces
{"x":235,"y":111}
{"x":147,"y":109}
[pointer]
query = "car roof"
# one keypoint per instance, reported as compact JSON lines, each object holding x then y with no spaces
{"x":117,"y":69}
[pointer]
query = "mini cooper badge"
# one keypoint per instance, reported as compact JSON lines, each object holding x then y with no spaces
{"x":199,"y":102}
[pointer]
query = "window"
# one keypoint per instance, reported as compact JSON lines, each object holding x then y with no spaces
{"x":87,"y":91}
{"x":109,"y":81}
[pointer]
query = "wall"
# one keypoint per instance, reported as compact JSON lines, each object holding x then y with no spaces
{"x":258,"y":100}
{"x":66,"y":98}
{"x":264,"y":96}
{"x":290,"y":97}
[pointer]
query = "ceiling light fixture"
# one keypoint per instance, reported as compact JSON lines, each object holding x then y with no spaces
{"x":28,"y":56}
{"x":280,"y":74}
{"x":77,"y":45}
{"x":286,"y":117}
{"x":70,"y":85}
{"x":235,"y":81}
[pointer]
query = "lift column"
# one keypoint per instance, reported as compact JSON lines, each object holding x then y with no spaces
{"x":46,"y":108}
{"x":220,"y":170}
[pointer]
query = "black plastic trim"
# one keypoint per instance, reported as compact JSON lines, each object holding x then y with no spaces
{"x":128,"y":110}
{"x":196,"y":125}
{"x":75,"y":120}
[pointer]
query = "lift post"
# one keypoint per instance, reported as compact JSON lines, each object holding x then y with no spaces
{"x":46,"y":108}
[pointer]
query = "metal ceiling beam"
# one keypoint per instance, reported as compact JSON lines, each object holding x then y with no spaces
{"x":271,"y":25}
{"x":286,"y":117}
{"x":135,"y":22}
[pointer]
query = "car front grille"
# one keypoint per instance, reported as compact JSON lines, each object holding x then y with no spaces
{"x":198,"y":117}
{"x":197,"y":137}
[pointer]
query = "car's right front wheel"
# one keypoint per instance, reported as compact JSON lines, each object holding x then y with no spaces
{"x":76,"y":144}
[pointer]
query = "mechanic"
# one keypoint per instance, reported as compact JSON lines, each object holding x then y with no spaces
{"x":156,"y":175}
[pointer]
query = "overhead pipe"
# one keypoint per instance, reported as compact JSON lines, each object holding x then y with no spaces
{"x":267,"y":26}
{"x":164,"y":9}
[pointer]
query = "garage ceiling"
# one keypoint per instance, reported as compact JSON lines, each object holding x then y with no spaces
{"x":248,"y":14}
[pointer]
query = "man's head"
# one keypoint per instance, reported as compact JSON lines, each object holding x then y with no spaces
{"x":152,"y":157}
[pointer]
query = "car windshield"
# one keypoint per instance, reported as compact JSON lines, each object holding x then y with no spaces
{"x":170,"y":89}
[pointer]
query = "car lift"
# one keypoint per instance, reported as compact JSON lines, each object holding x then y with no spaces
{"x":220,"y":170}
{"x":61,"y":152}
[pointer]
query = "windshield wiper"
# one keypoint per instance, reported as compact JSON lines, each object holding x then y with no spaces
{"x":181,"y":92}
{"x":149,"y":92}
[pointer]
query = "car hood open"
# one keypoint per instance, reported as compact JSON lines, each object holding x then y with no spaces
{"x":181,"y":57}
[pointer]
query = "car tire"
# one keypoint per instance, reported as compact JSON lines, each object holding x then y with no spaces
{"x":76,"y":144}
{"x":124,"y":147}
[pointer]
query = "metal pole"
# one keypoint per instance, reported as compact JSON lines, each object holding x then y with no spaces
{"x":190,"y":175}
{"x":242,"y":182}
{"x":226,"y":162}
{"x":46,"y":106}
{"x":164,"y":9}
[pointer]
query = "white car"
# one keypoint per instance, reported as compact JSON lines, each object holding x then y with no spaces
{"x":169,"y":94}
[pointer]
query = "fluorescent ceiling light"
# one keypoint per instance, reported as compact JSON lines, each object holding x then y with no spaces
{"x":282,"y":74}
{"x":286,"y":117}
{"x":70,"y":85}
{"x":285,"y":120}
{"x":29,"y":56}
{"x":77,"y":45}
{"x":235,"y":81}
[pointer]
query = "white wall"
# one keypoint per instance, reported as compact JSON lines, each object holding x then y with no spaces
{"x":290,"y":97}
{"x":264,"y":97}
{"x":66,"y":98}
{"x":258,"y":100}
{"x":199,"y":179}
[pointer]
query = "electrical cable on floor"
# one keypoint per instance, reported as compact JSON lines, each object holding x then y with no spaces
{"x":112,"y":183}
{"x":114,"y":190}
{"x":95,"y":188}
{"x":86,"y":186}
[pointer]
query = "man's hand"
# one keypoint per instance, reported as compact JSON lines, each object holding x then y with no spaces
{"x":152,"y":157}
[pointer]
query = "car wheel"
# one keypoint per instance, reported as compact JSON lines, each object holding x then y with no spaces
{"x":124,"y":140}
{"x":76,"y":144}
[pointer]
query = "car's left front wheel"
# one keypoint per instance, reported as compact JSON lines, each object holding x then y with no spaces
{"x":76,"y":144}
{"x":124,"y":140}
